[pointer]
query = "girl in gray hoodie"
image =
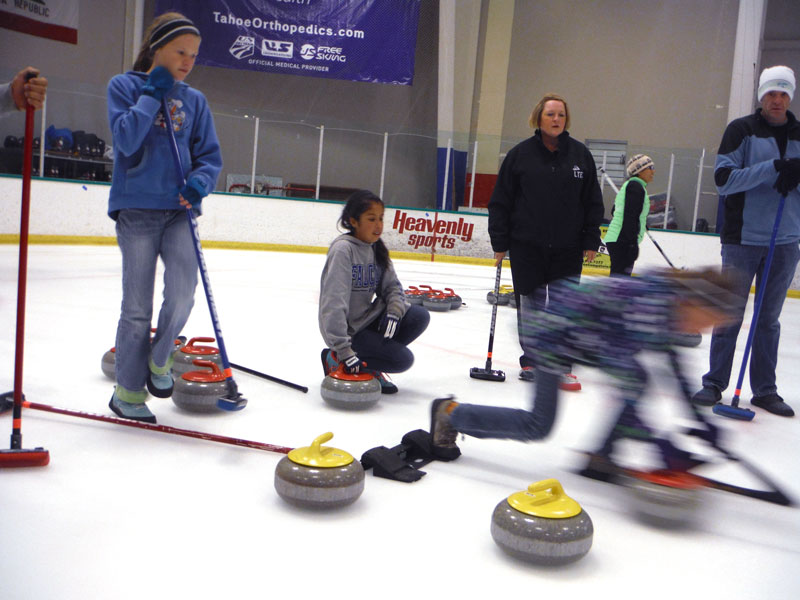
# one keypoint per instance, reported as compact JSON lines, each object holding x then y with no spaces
{"x":364,"y":317}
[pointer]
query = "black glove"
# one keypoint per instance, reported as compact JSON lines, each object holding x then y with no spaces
{"x":158,"y":83}
{"x":788,"y":175}
{"x":388,"y":325}
{"x":352,"y":365}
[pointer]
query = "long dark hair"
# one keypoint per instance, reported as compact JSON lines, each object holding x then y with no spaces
{"x":144,"y":60}
{"x":357,"y":204}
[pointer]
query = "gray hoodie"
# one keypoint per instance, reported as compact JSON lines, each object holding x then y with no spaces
{"x":349,"y":281}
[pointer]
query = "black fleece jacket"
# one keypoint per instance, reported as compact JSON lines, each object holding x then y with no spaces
{"x":549,"y":199}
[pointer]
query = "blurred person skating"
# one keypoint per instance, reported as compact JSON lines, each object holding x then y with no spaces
{"x":148,"y":204}
{"x":364,"y":317}
{"x":545,"y":211}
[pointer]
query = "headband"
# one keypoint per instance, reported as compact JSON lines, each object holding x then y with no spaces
{"x":170,"y":30}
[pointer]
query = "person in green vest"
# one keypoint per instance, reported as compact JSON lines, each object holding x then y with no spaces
{"x":629,"y":216}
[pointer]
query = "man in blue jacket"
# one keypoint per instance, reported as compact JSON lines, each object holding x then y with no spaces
{"x":758,"y":162}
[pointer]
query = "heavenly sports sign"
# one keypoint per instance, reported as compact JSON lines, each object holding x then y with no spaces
{"x":442,"y":231}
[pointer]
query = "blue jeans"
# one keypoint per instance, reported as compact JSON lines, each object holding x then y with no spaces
{"x":512,"y":423}
{"x":749,"y":262}
{"x":390,"y":355}
{"x":143,"y":236}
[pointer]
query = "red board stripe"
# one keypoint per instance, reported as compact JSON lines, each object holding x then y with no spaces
{"x":37,"y":28}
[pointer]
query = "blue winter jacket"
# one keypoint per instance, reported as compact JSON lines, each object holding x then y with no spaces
{"x":145,"y":174}
{"x":745,"y":173}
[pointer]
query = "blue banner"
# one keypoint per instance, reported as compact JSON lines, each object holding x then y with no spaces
{"x":357,"y":40}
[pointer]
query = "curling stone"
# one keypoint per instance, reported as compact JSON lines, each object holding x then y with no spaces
{"x":199,"y":390}
{"x":688,"y":340}
{"x":664,"y":498}
{"x":355,"y":391}
{"x":542,"y":525}
{"x":184,"y":357}
{"x":437,"y":302}
{"x":108,"y":364}
{"x":319,"y":477}
{"x":455,"y":299}
{"x":506,"y":295}
{"x":414,"y":295}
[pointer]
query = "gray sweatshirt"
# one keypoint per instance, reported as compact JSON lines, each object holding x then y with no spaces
{"x":350,"y":280}
{"x":7,"y":105}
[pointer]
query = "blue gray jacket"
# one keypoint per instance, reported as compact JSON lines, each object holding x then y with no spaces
{"x":745,"y":173}
{"x":145,"y":175}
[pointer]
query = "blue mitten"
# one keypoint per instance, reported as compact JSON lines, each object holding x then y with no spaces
{"x":193,"y":191}
{"x":158,"y":83}
{"x":388,"y":325}
{"x":352,"y":365}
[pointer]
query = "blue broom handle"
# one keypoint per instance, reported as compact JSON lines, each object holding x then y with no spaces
{"x":198,"y":250}
{"x":759,"y":298}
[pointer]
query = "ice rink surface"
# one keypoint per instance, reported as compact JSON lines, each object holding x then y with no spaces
{"x":130,"y":514}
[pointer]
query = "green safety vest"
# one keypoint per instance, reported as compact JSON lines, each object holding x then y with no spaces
{"x":619,"y":213}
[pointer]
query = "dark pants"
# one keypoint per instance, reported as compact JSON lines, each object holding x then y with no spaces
{"x":532,"y":269}
{"x":390,"y":355}
{"x":623,"y":256}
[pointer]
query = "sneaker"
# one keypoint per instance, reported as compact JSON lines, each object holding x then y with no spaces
{"x":774,"y":404}
{"x":443,"y":436}
{"x":159,"y":379}
{"x":329,"y":363}
{"x":387,"y":387}
{"x":569,"y":383}
{"x":708,"y":396}
{"x":527,"y":373}
{"x":131,"y":405}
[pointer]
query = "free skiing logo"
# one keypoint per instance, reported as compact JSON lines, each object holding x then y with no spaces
{"x":308,"y":51}
{"x":243,"y":47}
{"x":576,"y":172}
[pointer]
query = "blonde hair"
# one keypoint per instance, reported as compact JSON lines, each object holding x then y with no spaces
{"x":536,"y":115}
{"x":144,"y":60}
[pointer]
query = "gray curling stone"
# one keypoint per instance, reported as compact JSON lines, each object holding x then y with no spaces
{"x":184,"y":357}
{"x":319,"y":477}
{"x":668,"y":499}
{"x":356,"y":391}
{"x":437,"y":302}
{"x":542,"y":525}
{"x":455,"y":299}
{"x":108,"y":364}
{"x":198,"y":390}
{"x":414,"y":295}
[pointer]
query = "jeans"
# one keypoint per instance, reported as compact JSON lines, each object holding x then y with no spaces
{"x":390,"y":355}
{"x":749,"y":262}
{"x":512,"y":423}
{"x":143,"y":236}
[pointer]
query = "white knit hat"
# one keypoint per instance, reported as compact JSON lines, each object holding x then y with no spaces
{"x":776,"y":79}
{"x":637,"y":164}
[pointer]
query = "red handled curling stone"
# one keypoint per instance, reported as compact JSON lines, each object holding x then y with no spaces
{"x":455,"y":299}
{"x":183,"y":358}
{"x":199,"y":390}
{"x":108,"y":364}
{"x":414,"y":295}
{"x":437,"y":302}
{"x":319,"y":477}
{"x":350,"y":391}
{"x":542,"y":525}
{"x":664,"y":498}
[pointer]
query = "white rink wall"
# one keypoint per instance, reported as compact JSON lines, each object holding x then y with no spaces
{"x":77,"y":209}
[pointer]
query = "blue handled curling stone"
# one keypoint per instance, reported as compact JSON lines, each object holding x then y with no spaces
{"x":319,"y":477}
{"x":356,"y":391}
{"x":542,"y":525}
{"x":664,"y":498}
{"x":184,"y":357}
{"x":199,"y":390}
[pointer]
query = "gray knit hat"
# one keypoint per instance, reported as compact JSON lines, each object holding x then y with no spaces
{"x":637,"y":164}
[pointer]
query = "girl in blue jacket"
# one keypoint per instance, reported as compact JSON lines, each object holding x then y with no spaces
{"x":148,"y":201}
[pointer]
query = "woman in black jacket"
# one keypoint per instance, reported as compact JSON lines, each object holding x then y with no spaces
{"x":545,"y":211}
